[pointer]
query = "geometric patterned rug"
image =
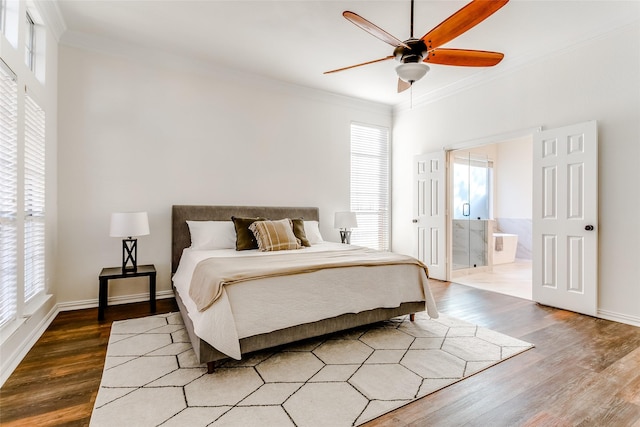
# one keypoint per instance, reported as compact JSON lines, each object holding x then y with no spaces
{"x":151,"y":377}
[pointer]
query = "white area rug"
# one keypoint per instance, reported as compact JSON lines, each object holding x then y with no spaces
{"x":151,"y":377}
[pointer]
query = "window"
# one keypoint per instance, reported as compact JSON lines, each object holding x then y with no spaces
{"x":3,"y":14}
{"x":22,"y":199}
{"x":9,"y":20}
{"x":23,"y":94}
{"x":472,"y":188}
{"x":8,"y":193}
{"x":34,"y":209}
{"x":370,"y":185}
{"x":30,"y":43}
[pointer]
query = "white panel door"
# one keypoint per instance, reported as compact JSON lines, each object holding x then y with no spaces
{"x":565,"y":218}
{"x":430,"y":212}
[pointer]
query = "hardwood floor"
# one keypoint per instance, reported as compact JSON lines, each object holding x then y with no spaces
{"x":582,"y":372}
{"x":57,"y":382}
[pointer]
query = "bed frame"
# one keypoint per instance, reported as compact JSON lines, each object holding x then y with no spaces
{"x":204,"y":352}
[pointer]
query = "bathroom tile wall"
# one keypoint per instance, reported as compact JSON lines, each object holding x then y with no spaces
{"x":469,"y":243}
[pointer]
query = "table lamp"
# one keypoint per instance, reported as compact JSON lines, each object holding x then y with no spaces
{"x":344,"y":221}
{"x":129,"y":225}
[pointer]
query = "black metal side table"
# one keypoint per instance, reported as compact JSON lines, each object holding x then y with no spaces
{"x":116,"y":273}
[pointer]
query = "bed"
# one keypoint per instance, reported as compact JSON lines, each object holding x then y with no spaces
{"x":253,"y":315}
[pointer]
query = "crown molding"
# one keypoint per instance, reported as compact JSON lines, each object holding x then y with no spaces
{"x":182,"y":62}
{"x":514,"y":64}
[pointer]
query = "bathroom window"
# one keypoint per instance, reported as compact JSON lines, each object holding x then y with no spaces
{"x":472,"y":188}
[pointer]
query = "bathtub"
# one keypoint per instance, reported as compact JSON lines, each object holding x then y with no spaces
{"x":504,"y":248}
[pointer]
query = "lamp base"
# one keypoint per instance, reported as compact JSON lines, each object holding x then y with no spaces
{"x":345,"y":236}
{"x":129,"y":255}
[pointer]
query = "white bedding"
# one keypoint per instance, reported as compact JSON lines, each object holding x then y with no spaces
{"x":256,"y":306}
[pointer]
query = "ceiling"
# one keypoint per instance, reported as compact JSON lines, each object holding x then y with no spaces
{"x":296,"y":41}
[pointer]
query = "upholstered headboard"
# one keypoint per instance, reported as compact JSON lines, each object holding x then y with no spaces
{"x":180,"y":237}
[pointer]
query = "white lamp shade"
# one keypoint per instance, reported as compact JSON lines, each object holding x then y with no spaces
{"x":412,"y":71}
{"x":345,"y":220}
{"x":129,"y":224}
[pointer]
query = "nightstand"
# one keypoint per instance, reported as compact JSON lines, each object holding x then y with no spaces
{"x":116,"y":273}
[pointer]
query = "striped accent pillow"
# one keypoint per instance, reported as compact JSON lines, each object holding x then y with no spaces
{"x":275,"y":235}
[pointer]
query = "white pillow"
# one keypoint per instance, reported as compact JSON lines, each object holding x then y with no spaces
{"x":207,"y":235}
{"x":312,"y":230}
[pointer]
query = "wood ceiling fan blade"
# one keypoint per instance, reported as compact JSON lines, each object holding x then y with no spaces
{"x":359,"y":65}
{"x":463,"y":57}
{"x":402,"y":85}
{"x":464,"y":19}
{"x":373,"y":29}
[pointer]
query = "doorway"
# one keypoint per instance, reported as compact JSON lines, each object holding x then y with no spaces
{"x":490,"y":197}
{"x":563,"y":209}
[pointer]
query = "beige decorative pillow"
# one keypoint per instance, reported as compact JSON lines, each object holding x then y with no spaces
{"x":275,"y":235}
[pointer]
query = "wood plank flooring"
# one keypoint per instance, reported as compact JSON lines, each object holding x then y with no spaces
{"x":582,"y":372}
{"x":57,"y":382}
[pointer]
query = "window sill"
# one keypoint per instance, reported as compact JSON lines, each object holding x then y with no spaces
{"x":35,"y":304}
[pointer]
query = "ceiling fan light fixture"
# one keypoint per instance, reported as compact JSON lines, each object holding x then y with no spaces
{"x":412,"y":71}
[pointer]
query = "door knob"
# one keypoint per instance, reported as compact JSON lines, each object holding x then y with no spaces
{"x":415,"y":221}
{"x":588,"y":227}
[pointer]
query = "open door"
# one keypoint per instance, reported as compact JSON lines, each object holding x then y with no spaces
{"x":430,"y":212}
{"x":565,"y":218}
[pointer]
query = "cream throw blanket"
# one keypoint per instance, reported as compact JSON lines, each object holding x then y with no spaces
{"x":211,"y":275}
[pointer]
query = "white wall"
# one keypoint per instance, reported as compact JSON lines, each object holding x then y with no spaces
{"x":138,"y":135}
{"x":596,"y":80}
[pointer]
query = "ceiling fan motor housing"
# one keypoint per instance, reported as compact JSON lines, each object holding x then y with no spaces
{"x":415,"y":53}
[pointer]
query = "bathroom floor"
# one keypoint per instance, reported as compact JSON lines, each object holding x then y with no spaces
{"x":511,"y":279}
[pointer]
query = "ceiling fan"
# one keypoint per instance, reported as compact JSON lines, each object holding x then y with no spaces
{"x":414,"y":54}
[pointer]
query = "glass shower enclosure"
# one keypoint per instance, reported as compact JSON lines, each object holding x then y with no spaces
{"x":472,"y":175}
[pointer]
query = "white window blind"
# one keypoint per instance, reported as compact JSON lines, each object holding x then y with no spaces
{"x":370,"y":185}
{"x":8,"y":193}
{"x":34,"y":199}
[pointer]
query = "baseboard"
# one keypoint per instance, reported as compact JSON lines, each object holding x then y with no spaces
{"x":618,"y":317}
{"x":11,"y":363}
{"x":123,"y":299}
